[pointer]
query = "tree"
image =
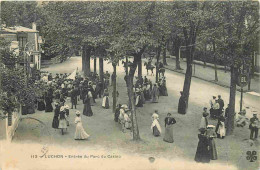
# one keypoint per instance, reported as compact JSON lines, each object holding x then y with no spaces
{"x":19,"y":13}
{"x":238,"y":36}
{"x":191,"y":16}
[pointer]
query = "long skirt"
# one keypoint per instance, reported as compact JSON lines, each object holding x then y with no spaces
{"x":91,"y":101}
{"x":87,"y":111}
{"x":182,"y":106}
{"x":202,"y":154}
{"x":155,"y":99}
{"x":55,"y":122}
{"x":80,"y":133}
{"x":139,"y":102}
{"x":212,"y":150}
{"x":142,"y":97}
{"x":48,"y":107}
{"x":128,"y":124}
{"x":41,"y":106}
{"x":62,"y":124}
{"x":156,"y":132}
{"x":105,"y":102}
{"x":168,"y":137}
{"x":164,"y":91}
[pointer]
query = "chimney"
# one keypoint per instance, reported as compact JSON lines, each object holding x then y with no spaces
{"x":34,"y":26}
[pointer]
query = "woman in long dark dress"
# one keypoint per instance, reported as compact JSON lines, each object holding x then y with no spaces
{"x":55,"y":121}
{"x":164,"y":88}
{"x":48,"y":101}
{"x":169,"y":121}
{"x":182,"y":104}
{"x":138,"y":100}
{"x":202,"y":153}
{"x":87,"y":111}
{"x":155,"y":94}
{"x":40,"y":104}
{"x":212,"y":146}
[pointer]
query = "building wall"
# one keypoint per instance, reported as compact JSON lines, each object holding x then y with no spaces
{"x":9,"y":37}
{"x":15,"y":122}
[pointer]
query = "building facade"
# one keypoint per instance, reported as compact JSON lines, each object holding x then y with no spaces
{"x":24,"y":40}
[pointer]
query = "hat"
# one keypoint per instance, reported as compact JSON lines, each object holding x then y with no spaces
{"x":124,"y":106}
{"x":77,"y":112}
{"x":210,"y":126}
{"x":66,"y":107}
{"x":205,"y":114}
{"x":62,"y":108}
{"x":202,"y":130}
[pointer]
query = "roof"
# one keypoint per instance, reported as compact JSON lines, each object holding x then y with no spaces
{"x":17,"y":29}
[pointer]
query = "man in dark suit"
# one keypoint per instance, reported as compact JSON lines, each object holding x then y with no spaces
{"x":221,"y":104}
{"x":254,"y":125}
{"x":73,"y":96}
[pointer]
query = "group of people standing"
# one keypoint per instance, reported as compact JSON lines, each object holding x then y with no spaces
{"x":146,"y":91}
{"x":62,"y":87}
{"x":169,"y":121}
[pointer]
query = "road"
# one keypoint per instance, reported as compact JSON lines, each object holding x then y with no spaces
{"x":106,"y":135}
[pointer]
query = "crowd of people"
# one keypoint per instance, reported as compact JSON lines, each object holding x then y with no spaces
{"x":145,"y":90}
{"x":63,"y":88}
{"x":206,"y":149}
{"x":59,"y":88}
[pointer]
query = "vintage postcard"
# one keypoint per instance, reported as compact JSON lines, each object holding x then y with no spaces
{"x":118,"y":85}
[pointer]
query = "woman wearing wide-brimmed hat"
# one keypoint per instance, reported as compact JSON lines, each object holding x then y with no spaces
{"x":62,"y":122}
{"x":80,"y":133}
{"x":155,"y":124}
{"x":202,"y":153}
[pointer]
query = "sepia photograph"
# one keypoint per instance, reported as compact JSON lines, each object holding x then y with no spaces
{"x":129,"y":85}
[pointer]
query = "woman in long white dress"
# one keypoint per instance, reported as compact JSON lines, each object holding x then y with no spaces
{"x":80,"y":133}
{"x":105,"y":102}
{"x":155,"y":124}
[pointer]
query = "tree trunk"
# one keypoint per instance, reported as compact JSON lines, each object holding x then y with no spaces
{"x":205,"y":55}
{"x":157,"y":62}
{"x":188,"y":75}
{"x":114,"y":88}
{"x":84,"y":60}
{"x":164,"y":54}
{"x":129,"y":84}
{"x":176,"y":46}
{"x":232,"y":103}
{"x":88,"y":52}
{"x":225,"y":68}
{"x":126,"y":60}
{"x":140,"y":69}
{"x":95,"y":65}
{"x":101,"y":73}
{"x":215,"y":61}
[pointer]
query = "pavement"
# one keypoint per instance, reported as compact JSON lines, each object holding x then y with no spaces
{"x":105,"y":134}
{"x":208,"y":74}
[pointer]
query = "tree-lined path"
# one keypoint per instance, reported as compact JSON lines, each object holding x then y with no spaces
{"x":105,"y":133}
